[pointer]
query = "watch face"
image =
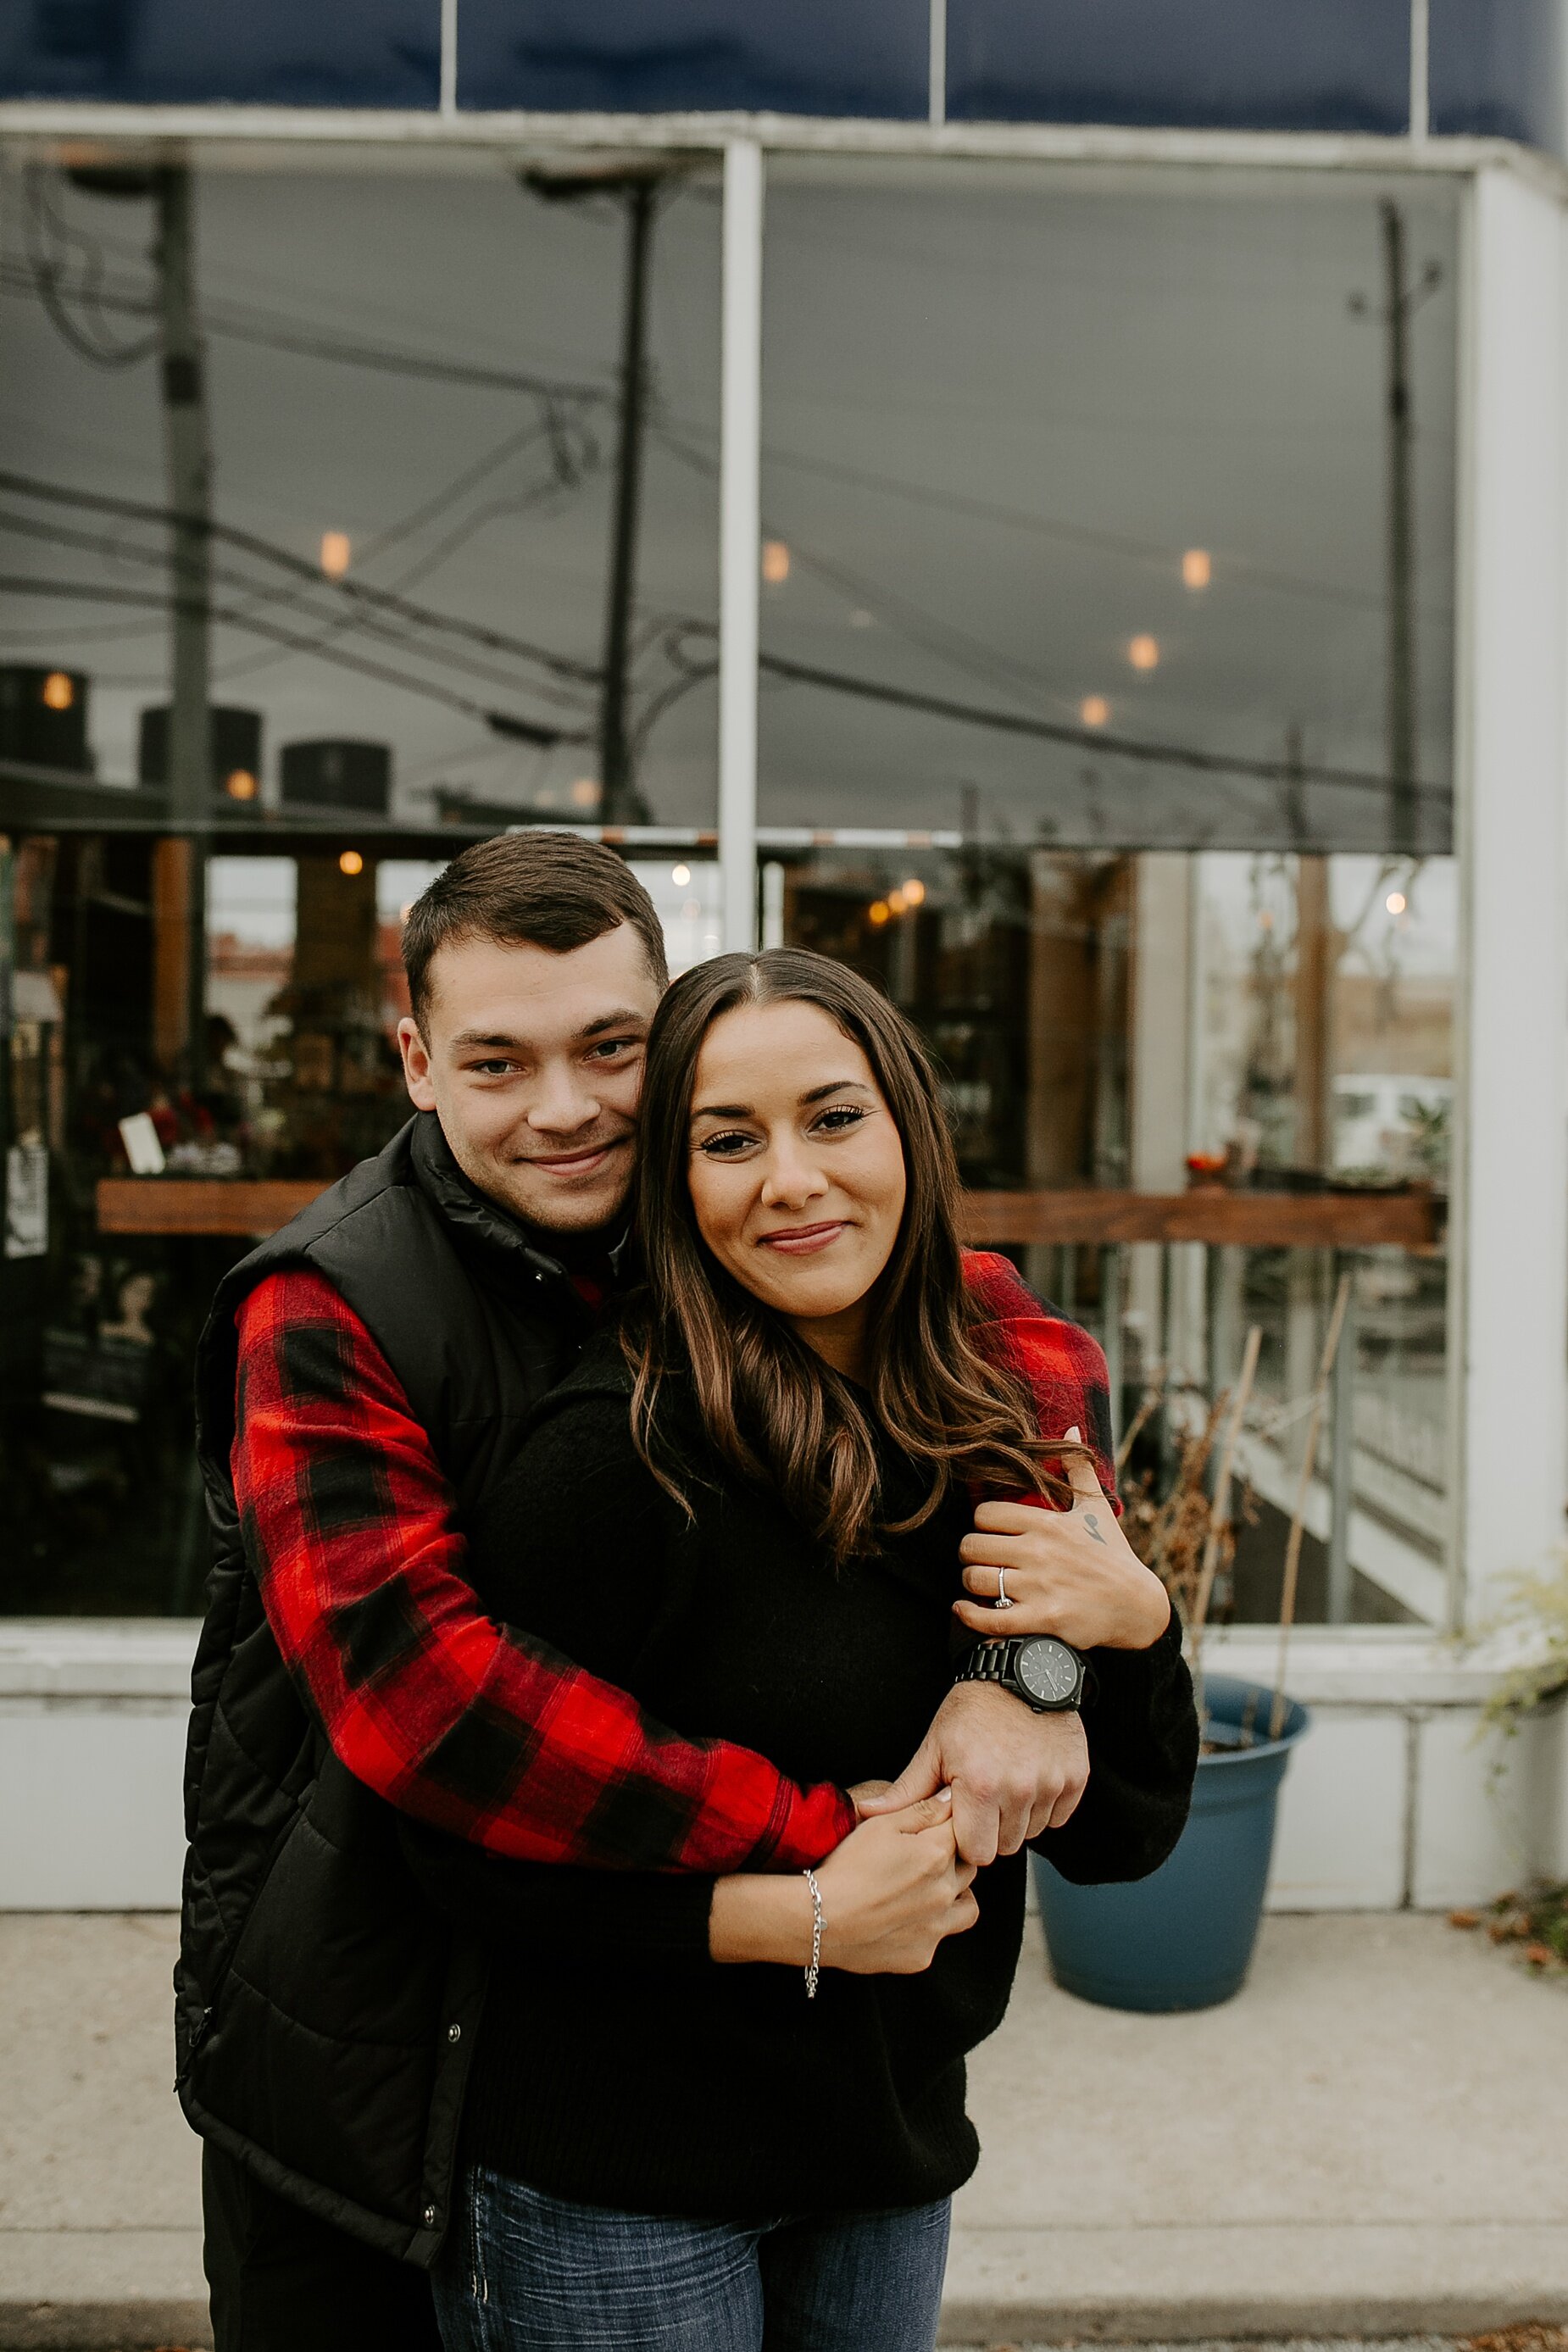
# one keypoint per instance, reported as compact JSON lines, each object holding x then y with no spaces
{"x":1047,"y":1670}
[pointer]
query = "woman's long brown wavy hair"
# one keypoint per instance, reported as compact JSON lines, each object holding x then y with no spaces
{"x":772,"y":1409}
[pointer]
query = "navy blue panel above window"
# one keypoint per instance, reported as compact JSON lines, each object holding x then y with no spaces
{"x":641,"y":57}
{"x":1254,"y":65}
{"x":1497,"y":69}
{"x":245,"y":52}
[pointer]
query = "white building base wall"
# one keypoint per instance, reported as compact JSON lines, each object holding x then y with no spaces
{"x":1390,"y":1801}
{"x":93,"y":1741}
{"x":1396,"y":1798}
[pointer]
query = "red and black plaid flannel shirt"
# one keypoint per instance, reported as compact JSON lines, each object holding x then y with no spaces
{"x":349,"y":1530}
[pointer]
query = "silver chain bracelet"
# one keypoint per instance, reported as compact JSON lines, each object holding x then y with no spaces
{"x":813,"y":1966}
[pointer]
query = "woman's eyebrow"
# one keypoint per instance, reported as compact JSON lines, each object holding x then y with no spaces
{"x":834,"y":1087}
{"x":813,"y":1095}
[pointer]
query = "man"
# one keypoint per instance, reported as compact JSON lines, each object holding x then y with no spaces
{"x":364,"y":1375}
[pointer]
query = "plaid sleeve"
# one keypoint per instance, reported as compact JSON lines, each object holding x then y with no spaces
{"x":1063,"y":1364}
{"x":349,"y":1527}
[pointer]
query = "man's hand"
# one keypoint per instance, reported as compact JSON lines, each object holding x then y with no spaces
{"x":1012,"y":1773}
{"x":1071,"y":1573}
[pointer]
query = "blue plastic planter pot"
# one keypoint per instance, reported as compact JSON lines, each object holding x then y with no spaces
{"x":1182,"y":1939}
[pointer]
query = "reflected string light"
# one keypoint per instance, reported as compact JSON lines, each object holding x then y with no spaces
{"x":1143,"y":652}
{"x":861,"y":619}
{"x":914,"y":892}
{"x":878,"y":911}
{"x":351,"y":862}
{"x":337,"y":548}
{"x":775,"y":562}
{"x":240,"y":784}
{"x":59,"y":690}
{"x":897,"y":902}
{"x":1198,"y":568}
{"x":1094,"y":710}
{"x":681,"y":875}
{"x":1396,"y":902}
{"x":585,"y":793}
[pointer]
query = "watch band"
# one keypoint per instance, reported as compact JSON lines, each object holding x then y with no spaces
{"x":989,"y":1662}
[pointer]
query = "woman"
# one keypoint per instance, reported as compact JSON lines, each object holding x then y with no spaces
{"x":738,"y":2116}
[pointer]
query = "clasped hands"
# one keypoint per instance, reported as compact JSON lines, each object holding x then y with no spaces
{"x":990,"y":1774}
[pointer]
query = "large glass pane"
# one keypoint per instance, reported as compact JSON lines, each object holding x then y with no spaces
{"x":1321,"y":65}
{"x":798,"y":57}
{"x":283,"y":52}
{"x":1497,"y":69}
{"x":1108,"y":612}
{"x":442,"y":589}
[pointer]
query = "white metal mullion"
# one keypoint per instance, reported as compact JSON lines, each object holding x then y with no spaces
{"x":448,"y":98}
{"x":740,"y":539}
{"x":938,"y":61}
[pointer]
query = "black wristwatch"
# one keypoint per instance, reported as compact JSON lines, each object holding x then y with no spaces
{"x":1046,"y":1673}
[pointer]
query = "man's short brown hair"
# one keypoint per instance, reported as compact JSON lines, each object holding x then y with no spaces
{"x":528,"y":889}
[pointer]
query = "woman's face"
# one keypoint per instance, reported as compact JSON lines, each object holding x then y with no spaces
{"x":796,"y":1168}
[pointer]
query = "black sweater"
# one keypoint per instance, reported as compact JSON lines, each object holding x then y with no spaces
{"x":619,"y":2064}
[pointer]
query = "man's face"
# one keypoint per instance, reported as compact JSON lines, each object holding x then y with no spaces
{"x":534,"y":1062}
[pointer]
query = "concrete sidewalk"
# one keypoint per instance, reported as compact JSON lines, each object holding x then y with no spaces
{"x":1373,"y":2140}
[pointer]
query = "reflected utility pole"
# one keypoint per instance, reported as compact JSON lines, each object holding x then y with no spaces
{"x":1400,"y":301}
{"x":620,"y":802}
{"x":1401,"y":749}
{"x":188,"y":462}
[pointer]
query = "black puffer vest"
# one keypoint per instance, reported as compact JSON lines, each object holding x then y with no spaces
{"x":324,"y":2013}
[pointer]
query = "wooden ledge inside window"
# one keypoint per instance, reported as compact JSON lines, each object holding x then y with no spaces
{"x":1407,"y":1220}
{"x":1404,"y":1220}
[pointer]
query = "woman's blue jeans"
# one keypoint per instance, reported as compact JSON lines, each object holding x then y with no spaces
{"x":527,"y":2272}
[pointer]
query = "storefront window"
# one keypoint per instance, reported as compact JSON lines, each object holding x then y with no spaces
{"x":1106,"y":681}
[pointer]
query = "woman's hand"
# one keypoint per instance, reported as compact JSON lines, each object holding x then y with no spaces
{"x":894,"y":1890}
{"x":1071,"y":1573}
{"x":891,"y":1894}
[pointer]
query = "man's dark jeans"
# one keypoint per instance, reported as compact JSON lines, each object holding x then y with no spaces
{"x":283,"y":2281}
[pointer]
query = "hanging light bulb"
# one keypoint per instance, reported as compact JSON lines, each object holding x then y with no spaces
{"x":1198,"y":568}
{"x":337,"y":548}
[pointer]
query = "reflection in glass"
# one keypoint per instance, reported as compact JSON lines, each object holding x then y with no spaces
{"x":429,"y":374}
{"x":628,"y":56}
{"x":1001,"y":411}
{"x":1321,"y":65}
{"x":1497,"y":69}
{"x":285,"y":53}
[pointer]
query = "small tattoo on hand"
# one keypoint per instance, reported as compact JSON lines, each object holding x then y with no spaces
{"x":1092,"y":1524}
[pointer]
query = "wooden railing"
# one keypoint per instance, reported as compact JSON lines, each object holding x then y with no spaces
{"x":1407,"y":1220}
